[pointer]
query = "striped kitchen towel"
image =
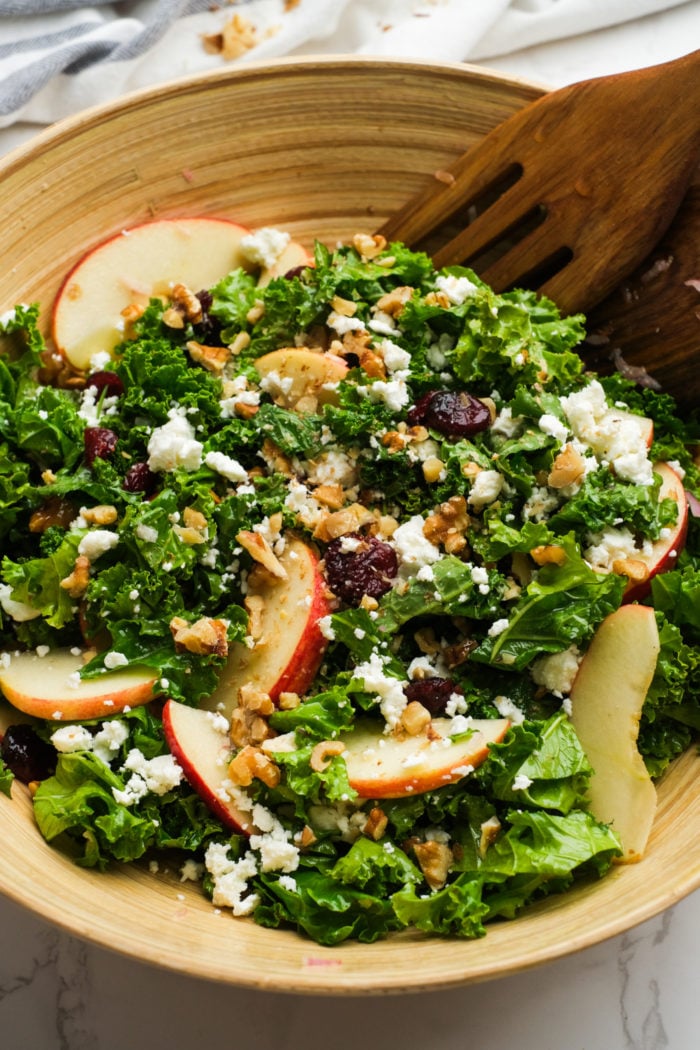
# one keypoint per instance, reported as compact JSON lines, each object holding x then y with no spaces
{"x":60,"y":56}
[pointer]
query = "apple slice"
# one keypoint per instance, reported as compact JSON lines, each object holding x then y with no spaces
{"x":48,"y":687}
{"x":292,"y":257}
{"x":290,"y":647}
{"x":142,"y":262}
{"x":297,"y":372}
{"x":204,"y":752}
{"x":606,"y":704}
{"x":664,"y":551}
{"x":381,"y":766}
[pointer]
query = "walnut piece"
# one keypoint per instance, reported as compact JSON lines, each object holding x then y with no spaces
{"x":323,"y":752}
{"x":253,"y":764}
{"x":77,"y":582}
{"x":567,"y":469}
{"x":434,"y":860}
{"x":261,"y":552}
{"x":249,"y":719}
{"x":204,"y":637}
{"x":376,"y":825}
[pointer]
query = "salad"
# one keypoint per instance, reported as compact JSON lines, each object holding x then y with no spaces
{"x":307,"y":589}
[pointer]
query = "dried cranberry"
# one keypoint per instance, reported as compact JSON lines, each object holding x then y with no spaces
{"x":208,"y":329}
{"x":452,"y":413}
{"x":100,"y":443}
{"x":296,"y":271}
{"x":364,"y":565}
{"x":26,"y":754}
{"x":139,"y":478}
{"x":108,"y":381}
{"x":432,"y":693}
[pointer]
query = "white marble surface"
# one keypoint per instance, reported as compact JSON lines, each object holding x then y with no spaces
{"x":634,"y":992}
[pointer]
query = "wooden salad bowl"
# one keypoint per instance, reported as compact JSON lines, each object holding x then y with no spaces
{"x":323,"y":148}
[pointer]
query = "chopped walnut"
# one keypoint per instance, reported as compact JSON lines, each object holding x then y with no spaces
{"x":194,"y":519}
{"x":331,"y":496}
{"x":256,"y":312}
{"x":184,"y":300}
{"x":192,"y":537}
{"x":77,"y":582}
{"x":448,"y":524}
{"x":415,"y":718}
{"x":249,"y":723}
{"x":56,"y":371}
{"x":213,"y":358}
{"x":236,"y":37}
{"x":55,"y":511}
{"x":261,"y":552}
{"x":276,"y":459}
{"x":377,"y":823}
{"x":438,"y":299}
{"x":204,"y":637}
{"x":288,"y":701}
{"x":103,"y":514}
{"x":369,"y":246}
{"x":434,"y":860}
{"x":426,"y":641}
{"x":458,"y":654}
{"x":305,"y":838}
{"x":633,"y":568}
{"x":349,"y":519}
{"x":548,"y":554}
{"x":394,"y":440}
{"x":470,"y":469}
{"x":323,"y":752}
{"x":394,"y":301}
{"x":433,"y":469}
{"x":567,"y":469}
{"x":344,"y":307}
{"x":489,"y":833}
{"x":253,"y":764}
{"x":239,"y":344}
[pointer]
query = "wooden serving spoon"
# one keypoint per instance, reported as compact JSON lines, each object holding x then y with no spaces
{"x":571,"y":193}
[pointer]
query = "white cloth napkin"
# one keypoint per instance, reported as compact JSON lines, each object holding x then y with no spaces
{"x":60,"y":56}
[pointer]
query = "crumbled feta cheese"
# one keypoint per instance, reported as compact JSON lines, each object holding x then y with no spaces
{"x":174,"y":446}
{"x":498,"y":627}
{"x":394,"y":356}
{"x":393,"y":392}
{"x":554,"y":427}
{"x":457,"y":289}
{"x":263,"y":247}
{"x":230,"y":878}
{"x":19,"y":611}
{"x":146,"y":533}
{"x":67,"y":739}
{"x":342,"y":324}
{"x":539,"y":504}
{"x":413,"y":548}
{"x":325,"y":626}
{"x":611,"y":544}
{"x":506,"y":423}
{"x":522,"y":782}
{"x":108,"y":740}
{"x":486,"y":488}
{"x":388,"y":691}
{"x":114,"y":660}
{"x":507,"y":708}
{"x":97,"y":542}
{"x":614,"y":437}
{"x":557,"y":671}
{"x":158,"y":775}
{"x":227,"y":467}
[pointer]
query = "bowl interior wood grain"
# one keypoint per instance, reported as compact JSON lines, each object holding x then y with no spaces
{"x":322,"y":148}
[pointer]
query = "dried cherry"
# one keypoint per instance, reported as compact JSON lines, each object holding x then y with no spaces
{"x":453,"y":413}
{"x":432,"y":693}
{"x":140,"y":478}
{"x":368,"y":568}
{"x":26,"y":754}
{"x":108,"y":381}
{"x":100,"y":443}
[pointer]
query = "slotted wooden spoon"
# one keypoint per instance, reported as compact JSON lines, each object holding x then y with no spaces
{"x":570,"y":193}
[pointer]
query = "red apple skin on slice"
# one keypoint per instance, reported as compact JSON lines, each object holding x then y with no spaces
{"x":46,"y":687}
{"x":665,"y":551}
{"x":204,"y":752}
{"x":304,"y":373}
{"x":606,"y":705}
{"x":381,"y":766}
{"x":290,"y":647}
